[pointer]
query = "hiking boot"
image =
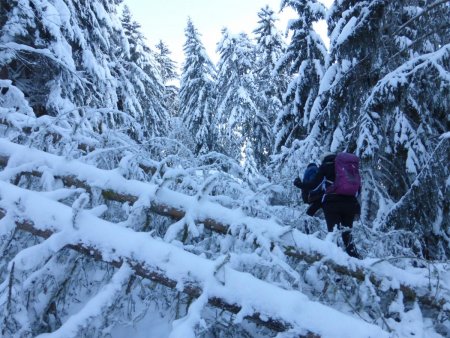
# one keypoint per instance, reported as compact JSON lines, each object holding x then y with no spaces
{"x":351,"y":251}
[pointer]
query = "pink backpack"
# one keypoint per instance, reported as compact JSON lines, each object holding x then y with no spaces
{"x":348,"y":179}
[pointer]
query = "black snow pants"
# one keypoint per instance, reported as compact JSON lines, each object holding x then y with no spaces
{"x":342,"y":213}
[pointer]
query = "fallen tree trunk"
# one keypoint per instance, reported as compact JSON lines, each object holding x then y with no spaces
{"x":409,"y":294}
{"x":156,"y":275}
{"x":359,"y":273}
{"x":111,"y":195}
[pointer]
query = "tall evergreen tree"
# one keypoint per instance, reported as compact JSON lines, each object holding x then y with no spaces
{"x":197,"y":91}
{"x":383,"y":96}
{"x":140,"y":76}
{"x":304,"y":61}
{"x":167,"y":66}
{"x":269,"y":49}
{"x":79,"y":77}
{"x":407,"y":107}
{"x":168,"y":70}
{"x":241,"y":122}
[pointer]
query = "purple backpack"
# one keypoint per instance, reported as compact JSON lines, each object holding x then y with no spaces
{"x":348,"y":180}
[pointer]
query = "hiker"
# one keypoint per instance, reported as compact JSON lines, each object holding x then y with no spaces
{"x":339,"y":202}
{"x":313,"y":197}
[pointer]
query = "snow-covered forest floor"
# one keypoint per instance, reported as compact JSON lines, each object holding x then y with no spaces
{"x":248,"y":257}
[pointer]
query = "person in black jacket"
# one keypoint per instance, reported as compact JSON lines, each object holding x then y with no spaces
{"x":339,"y":210}
{"x":311,"y":197}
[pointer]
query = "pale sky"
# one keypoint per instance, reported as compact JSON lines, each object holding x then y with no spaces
{"x":166,"y":20}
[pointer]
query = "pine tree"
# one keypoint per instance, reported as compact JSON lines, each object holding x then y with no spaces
{"x":197,"y":91}
{"x":304,"y":60}
{"x":383,"y":96}
{"x":269,"y":49}
{"x":168,"y":70}
{"x":240,"y":119}
{"x":139,"y":74}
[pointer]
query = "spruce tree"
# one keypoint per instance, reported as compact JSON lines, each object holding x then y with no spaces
{"x":167,"y":66}
{"x":304,"y":62}
{"x":140,"y":75}
{"x":269,"y":49}
{"x":407,"y":106}
{"x":383,"y":96}
{"x":81,"y":78}
{"x":168,"y":70}
{"x":197,"y":91}
{"x":239,"y":116}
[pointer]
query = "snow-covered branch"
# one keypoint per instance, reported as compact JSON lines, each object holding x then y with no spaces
{"x":173,"y":267}
{"x":267,"y":232}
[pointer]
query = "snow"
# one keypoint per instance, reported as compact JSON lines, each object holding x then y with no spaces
{"x":184,"y":327}
{"x":94,"y":307}
{"x":42,"y":51}
{"x":346,"y":31}
{"x":115,"y":242}
{"x":401,"y":75}
{"x":265,"y":231}
{"x":210,"y":223}
{"x":13,"y":103}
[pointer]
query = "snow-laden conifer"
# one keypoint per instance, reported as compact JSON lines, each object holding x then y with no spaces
{"x":196,"y":94}
{"x":239,"y":117}
{"x":168,"y":70}
{"x":382,"y":96}
{"x":167,"y":66}
{"x":84,"y":79}
{"x":303,"y":63}
{"x":142,"y":79}
{"x":270,"y":46}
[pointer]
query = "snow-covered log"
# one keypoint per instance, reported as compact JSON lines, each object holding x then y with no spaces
{"x":190,"y":288}
{"x":219,"y":219}
{"x":169,"y":265}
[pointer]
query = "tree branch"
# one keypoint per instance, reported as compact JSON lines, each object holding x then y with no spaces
{"x":425,"y":11}
{"x":157,"y":275}
{"x":359,"y":273}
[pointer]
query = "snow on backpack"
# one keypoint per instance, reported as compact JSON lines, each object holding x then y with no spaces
{"x":348,"y":179}
{"x":309,"y":175}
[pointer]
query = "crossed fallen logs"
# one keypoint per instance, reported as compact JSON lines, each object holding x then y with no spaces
{"x":166,"y":264}
{"x":161,"y":202}
{"x":154,"y":274}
